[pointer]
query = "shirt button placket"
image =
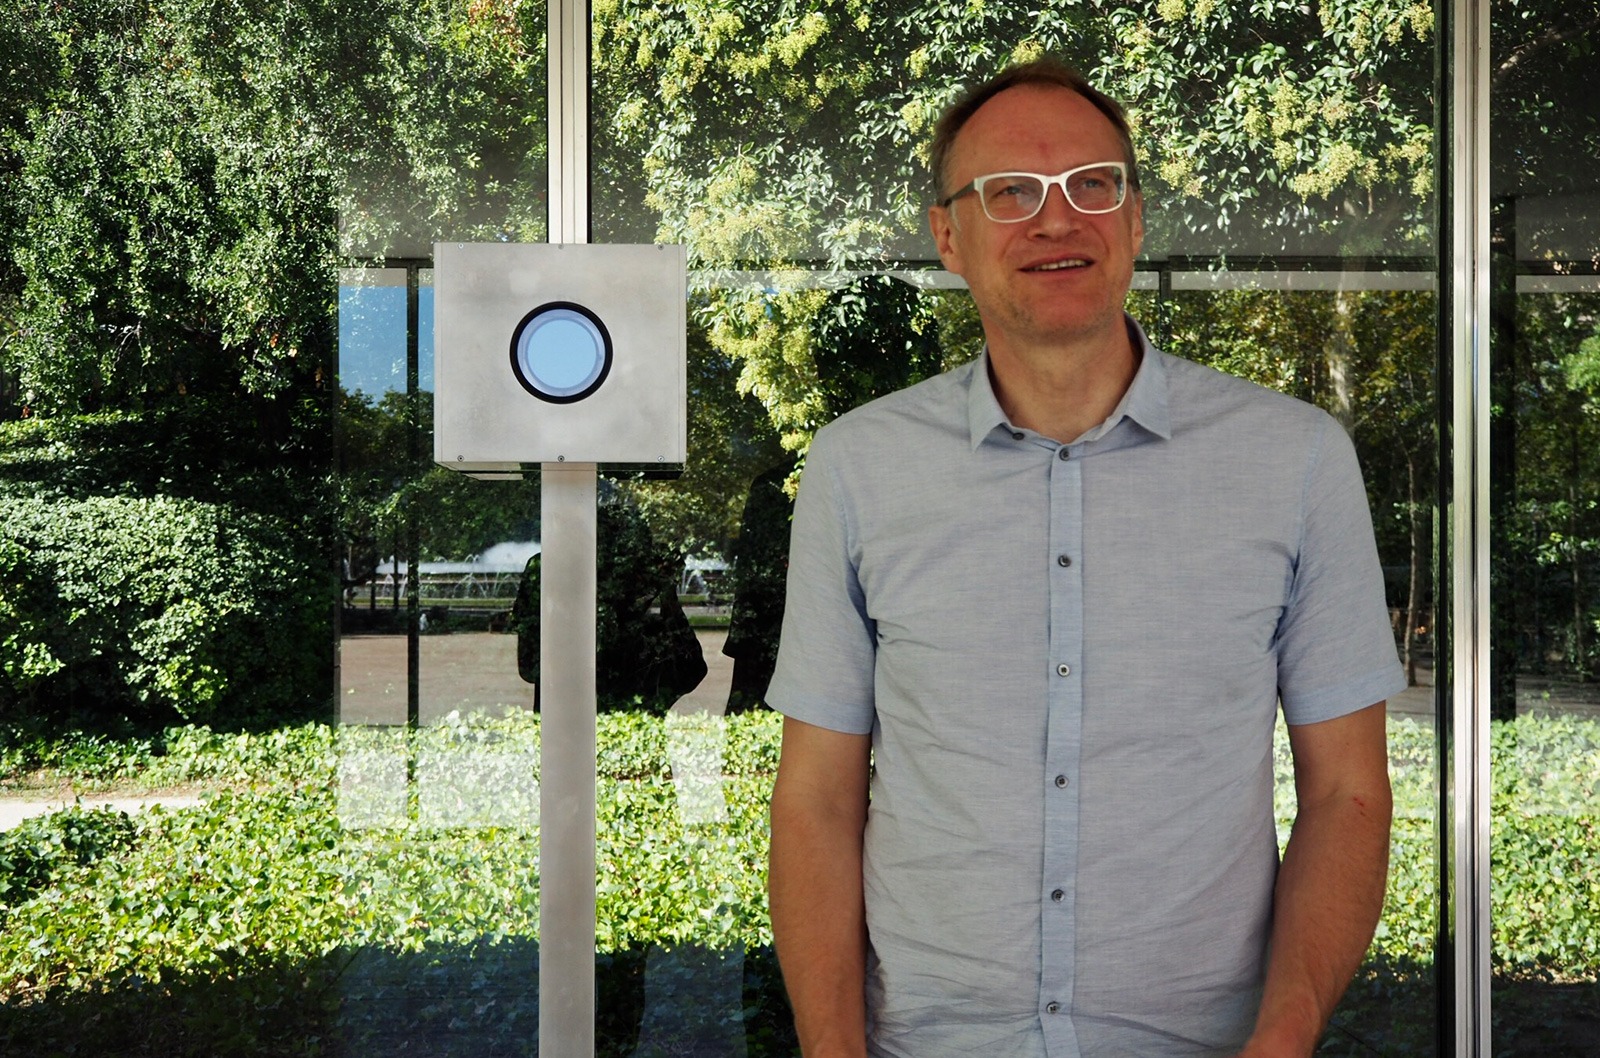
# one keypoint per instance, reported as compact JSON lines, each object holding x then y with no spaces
{"x":1058,"y":924}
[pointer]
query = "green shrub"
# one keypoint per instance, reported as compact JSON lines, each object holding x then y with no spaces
{"x":39,"y":851}
{"x":155,"y":609}
{"x":215,"y":450}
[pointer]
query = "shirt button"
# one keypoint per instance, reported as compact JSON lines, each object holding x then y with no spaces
{"x":1052,"y":1007}
{"x":1063,"y":670}
{"x":1016,"y":435}
{"x":1057,"y":895}
{"x":1063,"y":561}
{"x":1063,"y":453}
{"x":1061,"y":781}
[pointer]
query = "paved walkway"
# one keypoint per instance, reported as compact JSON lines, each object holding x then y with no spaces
{"x":470,"y":670}
{"x":474,"y":670}
{"x":14,"y":810}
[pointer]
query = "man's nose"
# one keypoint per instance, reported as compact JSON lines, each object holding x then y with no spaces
{"x":1055,"y":211}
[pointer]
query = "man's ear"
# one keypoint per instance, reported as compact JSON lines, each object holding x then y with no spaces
{"x":1138,"y":222}
{"x":942,"y":223}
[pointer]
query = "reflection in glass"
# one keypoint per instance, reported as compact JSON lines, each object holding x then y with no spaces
{"x":372,"y":331}
{"x":1544,"y":838}
{"x":1288,"y":150}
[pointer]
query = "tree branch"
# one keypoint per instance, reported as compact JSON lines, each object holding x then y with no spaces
{"x":1542,"y":43}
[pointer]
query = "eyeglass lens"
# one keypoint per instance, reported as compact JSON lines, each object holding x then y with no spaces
{"x":1018,"y":196}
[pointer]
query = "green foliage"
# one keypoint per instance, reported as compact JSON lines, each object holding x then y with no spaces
{"x":178,"y":174}
{"x":269,"y":457}
{"x":1546,"y":894}
{"x":1547,"y":519}
{"x":389,"y":488}
{"x":152,"y":560}
{"x":780,"y":137}
{"x":40,"y":852}
{"x":269,"y":902}
{"x":268,"y":874}
{"x":158,"y":608}
{"x":731,"y":441}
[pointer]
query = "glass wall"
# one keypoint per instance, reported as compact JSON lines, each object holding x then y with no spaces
{"x":218,"y":455}
{"x":435,"y":741}
{"x":216,"y":340}
{"x":1544,"y":533}
{"x":1288,"y":168}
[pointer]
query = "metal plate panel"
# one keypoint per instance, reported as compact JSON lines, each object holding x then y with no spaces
{"x":485,"y":421}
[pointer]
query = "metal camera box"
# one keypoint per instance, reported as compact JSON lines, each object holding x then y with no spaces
{"x":547,"y":353}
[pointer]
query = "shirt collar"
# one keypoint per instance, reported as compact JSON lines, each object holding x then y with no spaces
{"x":1145,"y":401}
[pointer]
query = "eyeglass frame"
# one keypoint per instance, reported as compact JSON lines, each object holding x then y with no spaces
{"x":1059,"y":180}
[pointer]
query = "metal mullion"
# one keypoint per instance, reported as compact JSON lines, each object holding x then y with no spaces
{"x":1470,"y":600}
{"x":568,"y":108}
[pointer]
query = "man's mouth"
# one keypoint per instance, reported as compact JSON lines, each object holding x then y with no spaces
{"x":1057,"y":266}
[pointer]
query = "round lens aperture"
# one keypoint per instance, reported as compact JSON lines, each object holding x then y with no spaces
{"x":561,"y":352}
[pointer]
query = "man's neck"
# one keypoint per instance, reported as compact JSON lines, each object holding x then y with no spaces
{"x":1062,"y":391}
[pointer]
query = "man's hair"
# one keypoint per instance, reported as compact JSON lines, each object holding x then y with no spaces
{"x":1045,"y":72}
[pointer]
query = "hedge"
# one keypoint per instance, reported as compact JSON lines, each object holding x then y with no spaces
{"x":155,"y":609}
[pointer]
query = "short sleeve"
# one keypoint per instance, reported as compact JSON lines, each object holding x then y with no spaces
{"x":1336,"y":651}
{"x":826,"y":653}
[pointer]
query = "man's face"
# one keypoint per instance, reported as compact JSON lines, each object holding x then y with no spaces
{"x":1061,"y":276}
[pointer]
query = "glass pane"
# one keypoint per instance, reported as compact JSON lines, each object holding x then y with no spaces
{"x":1545,"y":534}
{"x":1287,"y":163}
{"x":373,"y":379}
{"x":227,"y":209}
{"x":438,"y":747}
{"x":1373,"y":366}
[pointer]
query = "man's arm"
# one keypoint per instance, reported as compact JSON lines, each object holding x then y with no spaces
{"x":819,"y":811}
{"x":1331,"y":886}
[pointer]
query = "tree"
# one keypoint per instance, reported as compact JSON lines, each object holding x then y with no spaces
{"x":179,"y":182}
{"x":786,"y":134}
{"x":1543,"y":142}
{"x":731,"y":442}
{"x":179,"y":172}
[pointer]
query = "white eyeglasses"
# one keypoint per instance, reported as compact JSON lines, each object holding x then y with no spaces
{"x":1009,"y":198}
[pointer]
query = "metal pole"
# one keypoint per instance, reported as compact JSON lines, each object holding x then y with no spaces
{"x":1469,"y":523}
{"x":567,"y":760}
{"x":568,"y":493}
{"x":568,"y":116}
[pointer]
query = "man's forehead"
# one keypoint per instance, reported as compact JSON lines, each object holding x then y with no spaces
{"x":1057,"y":112}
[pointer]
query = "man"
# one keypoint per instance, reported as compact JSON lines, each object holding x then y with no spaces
{"x":1045,"y":606}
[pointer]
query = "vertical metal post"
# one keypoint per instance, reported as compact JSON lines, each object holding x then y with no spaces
{"x":567,"y":613}
{"x":568,"y":109}
{"x":1164,"y":302}
{"x":1469,"y":518}
{"x":568,"y":493}
{"x":413,"y":530}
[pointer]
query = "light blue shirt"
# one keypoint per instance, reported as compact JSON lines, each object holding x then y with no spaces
{"x":1069,"y":658}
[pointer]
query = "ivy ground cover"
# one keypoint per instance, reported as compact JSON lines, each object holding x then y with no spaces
{"x":368,"y":891}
